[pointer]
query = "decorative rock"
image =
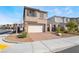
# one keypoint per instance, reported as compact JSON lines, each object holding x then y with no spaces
{"x":59,"y":34}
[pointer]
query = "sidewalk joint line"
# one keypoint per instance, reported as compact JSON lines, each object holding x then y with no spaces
{"x":46,"y":46}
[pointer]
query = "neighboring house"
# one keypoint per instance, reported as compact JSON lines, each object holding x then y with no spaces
{"x":7,"y":26}
{"x":56,"y":21}
{"x":0,"y":26}
{"x":3,"y":26}
{"x":17,"y":27}
{"x":12,"y":27}
{"x":35,"y":20}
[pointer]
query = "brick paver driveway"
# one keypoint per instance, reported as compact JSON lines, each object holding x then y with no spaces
{"x":43,"y":36}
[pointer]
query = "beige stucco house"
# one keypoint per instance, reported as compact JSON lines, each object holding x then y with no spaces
{"x":35,"y":20}
{"x":60,"y":21}
{"x":56,"y":21}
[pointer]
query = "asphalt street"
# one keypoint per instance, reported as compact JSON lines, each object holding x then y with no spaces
{"x":6,"y":31}
{"x":74,"y":49}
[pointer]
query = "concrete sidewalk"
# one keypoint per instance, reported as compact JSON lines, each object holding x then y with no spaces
{"x":45,"y":46}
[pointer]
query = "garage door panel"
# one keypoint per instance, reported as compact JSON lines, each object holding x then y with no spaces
{"x":35,"y":28}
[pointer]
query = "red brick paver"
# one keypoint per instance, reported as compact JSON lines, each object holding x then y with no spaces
{"x":42,"y":36}
{"x":33,"y":37}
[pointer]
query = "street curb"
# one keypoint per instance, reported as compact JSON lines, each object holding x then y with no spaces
{"x":7,"y":41}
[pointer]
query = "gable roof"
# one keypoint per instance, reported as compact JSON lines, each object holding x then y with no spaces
{"x":34,"y":9}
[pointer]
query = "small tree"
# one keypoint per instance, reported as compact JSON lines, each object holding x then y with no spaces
{"x":72,"y":26}
{"x":58,"y":29}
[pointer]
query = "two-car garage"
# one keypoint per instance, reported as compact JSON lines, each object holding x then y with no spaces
{"x":35,"y":28}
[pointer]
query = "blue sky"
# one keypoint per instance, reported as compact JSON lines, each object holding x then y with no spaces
{"x":14,"y":14}
{"x":11,"y":14}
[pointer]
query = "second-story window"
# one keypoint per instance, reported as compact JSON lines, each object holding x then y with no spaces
{"x":42,"y":16}
{"x":32,"y":13}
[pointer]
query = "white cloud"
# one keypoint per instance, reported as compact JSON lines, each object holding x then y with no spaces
{"x":56,"y":11}
{"x":68,"y":11}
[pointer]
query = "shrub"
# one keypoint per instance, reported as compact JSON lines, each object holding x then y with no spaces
{"x":58,"y":29}
{"x":72,"y":26}
{"x":22,"y":35}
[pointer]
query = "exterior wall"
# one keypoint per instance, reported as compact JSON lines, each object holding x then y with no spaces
{"x":65,"y":20}
{"x":37,"y":19}
{"x":58,"y":19}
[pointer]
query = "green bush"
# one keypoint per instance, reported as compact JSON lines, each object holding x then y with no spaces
{"x":22,"y":35}
{"x":72,"y":26}
{"x":58,"y":29}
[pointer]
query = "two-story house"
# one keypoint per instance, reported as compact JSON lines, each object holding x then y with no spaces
{"x":35,"y":20}
{"x":55,"y":21}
